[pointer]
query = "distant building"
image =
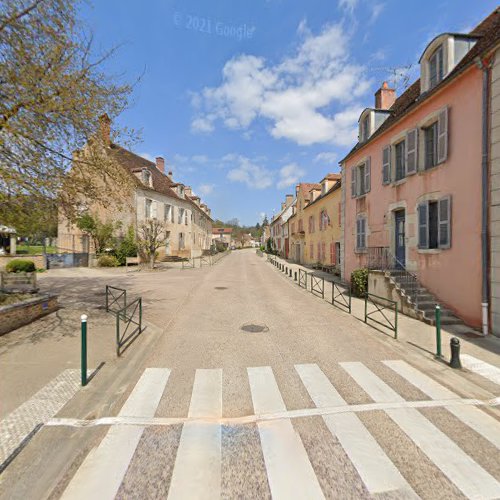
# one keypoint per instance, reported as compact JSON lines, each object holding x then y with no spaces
{"x":223,"y":236}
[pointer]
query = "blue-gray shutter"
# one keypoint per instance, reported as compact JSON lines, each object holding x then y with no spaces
{"x":442,"y":146}
{"x":411,"y":151}
{"x":353,"y":182}
{"x":386,"y":165}
{"x":358,"y":233}
{"x":444,"y":222}
{"x":368,"y":175}
{"x":423,"y":225}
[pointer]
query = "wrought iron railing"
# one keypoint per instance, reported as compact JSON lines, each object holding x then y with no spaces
{"x":381,"y":259}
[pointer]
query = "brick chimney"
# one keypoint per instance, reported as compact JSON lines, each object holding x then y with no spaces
{"x":160,"y":164}
{"x":289,"y":199}
{"x":105,"y":129}
{"x":384,"y":97}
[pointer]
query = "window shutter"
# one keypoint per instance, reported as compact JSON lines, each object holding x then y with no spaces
{"x":353,"y":182}
{"x":332,"y":253}
{"x":319,"y":251}
{"x":154,"y":207}
{"x":363,"y":233}
{"x":423,"y":225}
{"x":386,"y":165}
{"x":340,"y":214}
{"x":357,"y":232}
{"x":411,"y":151}
{"x":367,"y":174}
{"x":444,"y":222}
{"x":442,"y":136}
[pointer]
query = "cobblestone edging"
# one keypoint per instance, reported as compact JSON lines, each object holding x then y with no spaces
{"x":15,"y":315}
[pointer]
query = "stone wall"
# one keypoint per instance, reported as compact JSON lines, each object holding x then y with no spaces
{"x":39,"y":260}
{"x":16,"y":315}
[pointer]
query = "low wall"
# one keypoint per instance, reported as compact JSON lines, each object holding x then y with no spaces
{"x":14,"y":316}
{"x":39,"y":260}
{"x":379,"y":284}
{"x":18,"y":282}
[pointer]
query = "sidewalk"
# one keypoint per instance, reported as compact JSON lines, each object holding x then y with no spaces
{"x":412,"y":334}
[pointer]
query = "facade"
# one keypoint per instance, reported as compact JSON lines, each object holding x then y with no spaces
{"x":413,"y":182}
{"x":322,"y":219}
{"x":223,"y":236}
{"x":155,"y":195}
{"x":278,"y":227}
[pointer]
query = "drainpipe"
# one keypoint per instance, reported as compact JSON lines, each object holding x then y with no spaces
{"x":485,"y":261}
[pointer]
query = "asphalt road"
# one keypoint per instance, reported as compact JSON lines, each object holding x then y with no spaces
{"x":246,"y":386}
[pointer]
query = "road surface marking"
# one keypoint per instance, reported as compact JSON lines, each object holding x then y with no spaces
{"x":197,"y":469}
{"x":43,"y":405}
{"x":481,"y":368}
{"x":481,"y":422}
{"x":102,"y":471}
{"x":374,"y":467}
{"x":465,"y":473}
{"x":289,"y":471}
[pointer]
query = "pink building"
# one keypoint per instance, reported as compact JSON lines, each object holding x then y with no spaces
{"x":414,"y":198}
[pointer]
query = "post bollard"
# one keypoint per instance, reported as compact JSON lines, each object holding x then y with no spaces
{"x":84,"y":349}
{"x":286,"y":269}
{"x":295,"y":277}
{"x":455,"y":353}
{"x":438,"y":331}
{"x":290,"y":272}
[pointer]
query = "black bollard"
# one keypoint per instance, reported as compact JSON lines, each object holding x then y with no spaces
{"x":455,"y":353}
{"x":286,"y":269}
{"x":290,"y":272}
{"x":295,"y":278}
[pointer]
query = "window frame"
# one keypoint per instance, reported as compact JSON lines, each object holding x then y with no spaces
{"x":439,"y":61}
{"x":400,"y":147}
{"x":442,"y":223}
{"x":361,"y":233}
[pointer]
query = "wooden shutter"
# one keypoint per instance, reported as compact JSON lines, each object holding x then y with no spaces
{"x":340,"y":214}
{"x":358,"y":232}
{"x":386,"y":165}
{"x":154,"y":209}
{"x":353,"y":182}
{"x":332,"y":253}
{"x":444,"y":222}
{"x":442,"y":149}
{"x":363,"y":232}
{"x":411,"y":151}
{"x":423,"y":225}
{"x":367,"y":175}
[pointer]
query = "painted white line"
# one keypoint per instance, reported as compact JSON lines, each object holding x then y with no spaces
{"x":374,"y":467}
{"x":481,"y":422}
{"x":289,"y":471}
{"x":197,"y":469}
{"x":481,"y":368}
{"x":465,"y":473}
{"x":102,"y":471}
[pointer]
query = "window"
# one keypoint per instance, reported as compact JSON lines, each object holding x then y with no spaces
{"x":146,"y":177}
{"x":323,"y":253}
{"x":400,"y":154}
{"x":361,"y":233}
{"x":186,"y":217}
{"x":301,"y":226}
{"x":148,"y":209}
{"x":386,"y":165}
{"x":181,"y":241}
{"x":181,"y":215}
{"x":365,"y":128}
{"x":361,"y":179}
{"x":436,"y":67}
{"x":333,"y":260}
{"x":293,"y":227}
{"x":319,"y":251}
{"x":430,"y":147}
{"x":337,"y":253}
{"x":168,"y":213}
{"x":434,"y":223}
{"x":311,"y":224}
{"x":311,"y":250}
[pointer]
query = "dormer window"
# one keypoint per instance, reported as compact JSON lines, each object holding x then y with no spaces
{"x":146,"y":178}
{"x":365,"y":128}
{"x":436,"y":67}
{"x":181,"y":191}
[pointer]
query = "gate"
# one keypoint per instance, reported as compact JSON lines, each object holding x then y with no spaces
{"x":116,"y":299}
{"x":58,"y":260}
{"x":341,"y":295}
{"x":384,"y":310}
{"x":302,"y":279}
{"x":318,"y":285}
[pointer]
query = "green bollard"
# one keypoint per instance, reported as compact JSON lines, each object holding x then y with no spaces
{"x":438,"y":331}
{"x":84,"y":349}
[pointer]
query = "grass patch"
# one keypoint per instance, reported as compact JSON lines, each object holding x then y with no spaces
{"x":13,"y":298}
{"x":24,"y":249}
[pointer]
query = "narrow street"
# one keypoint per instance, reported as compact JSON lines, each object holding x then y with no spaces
{"x":246,"y":386}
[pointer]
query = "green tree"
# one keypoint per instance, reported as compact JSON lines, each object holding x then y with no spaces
{"x":100,"y":232}
{"x":127,"y":247}
{"x":151,"y":236}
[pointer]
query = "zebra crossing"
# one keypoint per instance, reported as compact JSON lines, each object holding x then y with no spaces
{"x":289,"y":470}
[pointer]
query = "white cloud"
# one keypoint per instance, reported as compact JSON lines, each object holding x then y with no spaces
{"x":199,"y":159}
{"x":289,"y":175}
{"x":326,"y":157}
{"x":206,"y":189}
{"x":305,"y":96}
{"x":251,"y":174}
{"x":376,"y":9}
{"x":348,"y":5}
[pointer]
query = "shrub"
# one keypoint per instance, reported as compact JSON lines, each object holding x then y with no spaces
{"x":127,"y":247}
{"x":108,"y":261}
{"x":20,"y":266}
{"x":359,"y":282}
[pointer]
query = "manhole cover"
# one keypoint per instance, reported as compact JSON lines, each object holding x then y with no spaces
{"x":221,"y":287}
{"x":254,"y":328}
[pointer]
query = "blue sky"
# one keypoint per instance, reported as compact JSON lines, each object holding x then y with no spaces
{"x":246,"y":98}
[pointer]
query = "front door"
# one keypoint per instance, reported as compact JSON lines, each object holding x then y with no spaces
{"x":400,"y":238}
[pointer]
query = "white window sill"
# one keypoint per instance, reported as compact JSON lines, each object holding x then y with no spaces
{"x":360,"y":250}
{"x":430,"y":251}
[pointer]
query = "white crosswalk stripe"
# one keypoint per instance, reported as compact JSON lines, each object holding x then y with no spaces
{"x":196,"y":463}
{"x":463,"y":471}
{"x":104,"y":468}
{"x":374,"y":467}
{"x":197,"y":470}
{"x":290,"y":474}
{"x":481,"y":368}
{"x":481,"y":422}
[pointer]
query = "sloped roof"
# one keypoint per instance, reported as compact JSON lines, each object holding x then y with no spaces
{"x":334,"y":188}
{"x":222,"y":230}
{"x":488,"y":36}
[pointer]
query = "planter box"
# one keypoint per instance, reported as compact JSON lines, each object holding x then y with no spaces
{"x":13,"y":316}
{"x":18,"y":282}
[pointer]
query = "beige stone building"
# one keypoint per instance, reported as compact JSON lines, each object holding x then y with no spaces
{"x":155,"y":196}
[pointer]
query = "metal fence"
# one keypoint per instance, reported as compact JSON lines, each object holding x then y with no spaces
{"x":383,"y":312}
{"x":188,"y":264}
{"x":318,"y":285}
{"x":128,"y":324}
{"x":116,"y":299}
{"x":302,"y":278}
{"x":341,"y":295}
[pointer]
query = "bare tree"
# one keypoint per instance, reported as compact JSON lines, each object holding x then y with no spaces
{"x":52,"y":92}
{"x":151,"y":236}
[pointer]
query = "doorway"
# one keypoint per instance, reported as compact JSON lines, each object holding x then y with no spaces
{"x":400,"y":240}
